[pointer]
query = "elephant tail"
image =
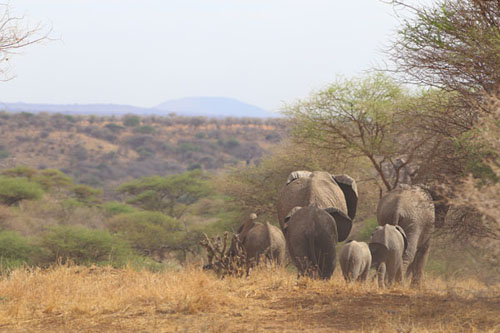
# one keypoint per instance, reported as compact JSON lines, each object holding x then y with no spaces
{"x":270,"y":245}
{"x":312,"y":252}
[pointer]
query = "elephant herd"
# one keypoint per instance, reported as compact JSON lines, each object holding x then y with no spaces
{"x":315,"y":212}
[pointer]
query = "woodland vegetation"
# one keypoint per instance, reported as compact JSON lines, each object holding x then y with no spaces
{"x":141,"y":192}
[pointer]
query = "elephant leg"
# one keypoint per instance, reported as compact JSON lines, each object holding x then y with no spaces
{"x":381,"y":275}
{"x":399,"y":274}
{"x":391,"y":273}
{"x":418,"y":267}
{"x":364,"y":275}
{"x":413,"y":235}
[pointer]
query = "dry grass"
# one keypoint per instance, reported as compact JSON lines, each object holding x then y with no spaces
{"x":71,"y":299}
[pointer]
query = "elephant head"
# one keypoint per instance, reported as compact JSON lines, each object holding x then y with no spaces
{"x":320,"y":188}
{"x":384,"y":239}
{"x":383,"y":235}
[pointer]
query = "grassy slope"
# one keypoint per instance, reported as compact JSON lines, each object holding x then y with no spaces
{"x":99,"y":299}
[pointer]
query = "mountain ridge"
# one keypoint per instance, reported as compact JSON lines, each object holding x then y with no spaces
{"x":210,"y":107}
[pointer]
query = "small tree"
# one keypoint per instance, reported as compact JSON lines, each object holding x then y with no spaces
{"x":373,"y":118}
{"x":83,"y":246}
{"x":14,"y":190}
{"x":148,"y":232}
{"x":169,"y":195}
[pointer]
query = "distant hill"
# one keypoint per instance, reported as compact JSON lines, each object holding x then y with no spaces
{"x":77,"y":109}
{"x":211,"y":107}
{"x":214,"y":107}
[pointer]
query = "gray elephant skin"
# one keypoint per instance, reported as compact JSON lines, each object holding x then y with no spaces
{"x":417,"y":210}
{"x":355,"y":261}
{"x":261,"y":240}
{"x":315,"y":211}
{"x":311,"y":236}
{"x":387,"y":245}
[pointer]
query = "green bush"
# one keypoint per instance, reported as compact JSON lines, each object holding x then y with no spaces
{"x":4,"y":154}
{"x":15,"y":250}
{"x":148,"y":231}
{"x":131,"y":121}
{"x":366,"y":230}
{"x":113,"y":208}
{"x":87,"y":194}
{"x":81,"y":246}
{"x":146,"y":129}
{"x":13,"y":190}
{"x":114,"y":127}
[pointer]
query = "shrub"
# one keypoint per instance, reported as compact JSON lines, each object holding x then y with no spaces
{"x":146,"y":129}
{"x":131,"y":121}
{"x":13,"y":190}
{"x":114,"y":127}
{"x":83,"y":246}
{"x":148,"y":231}
{"x":15,"y":250}
{"x":87,"y":194}
{"x":80,"y":153}
{"x":3,"y":154}
{"x":365,"y":232}
{"x":113,"y":208}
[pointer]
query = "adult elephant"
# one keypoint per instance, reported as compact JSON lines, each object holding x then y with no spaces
{"x":417,"y":210}
{"x":320,"y":188}
{"x":334,"y":199}
{"x":261,"y":240}
{"x":311,"y":235}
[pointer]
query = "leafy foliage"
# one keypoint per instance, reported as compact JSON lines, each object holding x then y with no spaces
{"x":148,"y":231}
{"x":15,"y":250}
{"x":83,"y":246}
{"x":168,"y":194}
{"x":15,"y":189}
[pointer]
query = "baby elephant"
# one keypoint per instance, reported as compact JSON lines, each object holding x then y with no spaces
{"x":387,"y":244}
{"x":355,"y":261}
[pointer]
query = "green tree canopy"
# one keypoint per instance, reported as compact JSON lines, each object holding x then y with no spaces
{"x":170,"y":194}
{"x":83,"y":246}
{"x":148,"y":231}
{"x":16,"y":189}
{"x":372,"y":117}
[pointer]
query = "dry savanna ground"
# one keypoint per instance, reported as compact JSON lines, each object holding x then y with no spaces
{"x":92,"y":299}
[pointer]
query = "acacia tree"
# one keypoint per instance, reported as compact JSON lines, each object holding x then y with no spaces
{"x":452,"y":44}
{"x":372,"y":117}
{"x":169,"y":195}
{"x":15,"y":34}
{"x":455,"y":45}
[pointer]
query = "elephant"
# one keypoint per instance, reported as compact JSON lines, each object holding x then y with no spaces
{"x":304,"y":188}
{"x":387,"y":245}
{"x":311,"y":236}
{"x":417,"y":209}
{"x":261,"y":240}
{"x":355,"y":261}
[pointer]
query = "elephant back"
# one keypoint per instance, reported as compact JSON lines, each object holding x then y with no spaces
{"x":310,"y":188}
{"x":388,"y":236}
{"x":405,"y":205}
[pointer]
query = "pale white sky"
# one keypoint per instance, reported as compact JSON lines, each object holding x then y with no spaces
{"x":143,"y":52}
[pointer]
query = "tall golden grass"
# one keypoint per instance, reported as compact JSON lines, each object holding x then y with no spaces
{"x":93,"y":299}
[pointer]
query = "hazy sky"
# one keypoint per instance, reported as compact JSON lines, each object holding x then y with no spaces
{"x":143,"y":52}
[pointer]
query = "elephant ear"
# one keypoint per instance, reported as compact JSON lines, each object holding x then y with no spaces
{"x":350,"y":189}
{"x":344,"y":223}
{"x":398,"y":228}
{"x":296,"y":175}
{"x":289,"y":215}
